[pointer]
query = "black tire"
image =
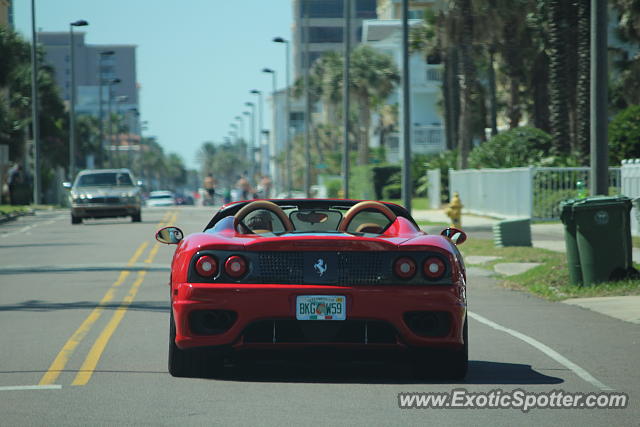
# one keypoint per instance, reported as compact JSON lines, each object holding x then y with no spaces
{"x":136,"y":217}
{"x":442,"y":364}
{"x":76,"y":219}
{"x":192,"y":363}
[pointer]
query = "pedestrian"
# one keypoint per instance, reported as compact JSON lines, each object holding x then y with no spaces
{"x":14,"y":180}
{"x":245,"y":187}
{"x":210,"y":187}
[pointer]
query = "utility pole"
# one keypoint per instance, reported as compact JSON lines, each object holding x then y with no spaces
{"x":307,"y":108}
{"x":345,"y":98}
{"x":599,"y":179}
{"x":406,"y":111}
{"x":35,"y":116}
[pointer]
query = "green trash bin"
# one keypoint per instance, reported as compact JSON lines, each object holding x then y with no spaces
{"x":603,"y":236}
{"x":571,"y":243}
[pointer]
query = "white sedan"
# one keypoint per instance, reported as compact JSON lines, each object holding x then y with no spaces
{"x":161,"y":198}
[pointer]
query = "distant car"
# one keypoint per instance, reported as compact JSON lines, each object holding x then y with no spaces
{"x":161,"y":198}
{"x":184,"y":199}
{"x":315,"y":274}
{"x":104,"y":193}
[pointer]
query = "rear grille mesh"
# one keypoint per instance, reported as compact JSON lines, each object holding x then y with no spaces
{"x":360,"y":268}
{"x":354,"y":268}
{"x":280,"y":267}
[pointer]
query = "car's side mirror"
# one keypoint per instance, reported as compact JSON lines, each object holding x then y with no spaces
{"x":458,"y":237}
{"x":67,"y":185}
{"x":139,"y":183}
{"x":169,"y":235}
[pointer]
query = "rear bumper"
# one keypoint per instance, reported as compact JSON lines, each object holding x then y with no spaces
{"x":103,"y":211}
{"x":367,"y":307}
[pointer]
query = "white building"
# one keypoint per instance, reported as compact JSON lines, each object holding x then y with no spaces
{"x":425,"y":88}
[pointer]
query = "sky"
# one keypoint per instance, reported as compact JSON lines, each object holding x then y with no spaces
{"x":197,"y":60}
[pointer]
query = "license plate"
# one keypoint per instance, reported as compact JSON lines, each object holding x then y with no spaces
{"x":321,"y":307}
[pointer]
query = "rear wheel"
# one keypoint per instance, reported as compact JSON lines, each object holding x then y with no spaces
{"x":136,"y":217}
{"x":196,"y":362}
{"x":75,"y":219}
{"x":442,"y":364}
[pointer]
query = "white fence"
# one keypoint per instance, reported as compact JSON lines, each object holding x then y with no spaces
{"x":630,"y":177}
{"x":530,"y":192}
{"x":435,"y":188}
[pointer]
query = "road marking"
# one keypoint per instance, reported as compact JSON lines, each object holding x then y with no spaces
{"x":91,"y":361}
{"x":31,"y":387}
{"x":29,"y":227}
{"x":582,"y":373}
{"x":58,"y":364}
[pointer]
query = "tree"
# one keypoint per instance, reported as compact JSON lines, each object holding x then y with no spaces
{"x":374,"y":76}
{"x":467,"y":80}
{"x":559,"y":98}
{"x":624,"y":134}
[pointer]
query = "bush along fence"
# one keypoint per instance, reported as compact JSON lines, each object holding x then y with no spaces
{"x":529,"y":192}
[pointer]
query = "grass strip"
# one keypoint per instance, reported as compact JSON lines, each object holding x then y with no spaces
{"x":550,"y":280}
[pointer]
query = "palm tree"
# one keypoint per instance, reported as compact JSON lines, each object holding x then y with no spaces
{"x":583,"y":109}
{"x":559,"y":98}
{"x":374,"y":76}
{"x":468,"y":79}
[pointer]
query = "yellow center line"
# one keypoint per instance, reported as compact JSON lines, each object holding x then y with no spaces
{"x":91,"y":361}
{"x":59,"y":363}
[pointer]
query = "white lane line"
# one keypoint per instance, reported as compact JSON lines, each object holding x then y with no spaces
{"x":31,"y":387}
{"x":582,"y":373}
{"x":29,"y":227}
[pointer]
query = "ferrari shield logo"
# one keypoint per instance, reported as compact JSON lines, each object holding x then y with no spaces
{"x":320,"y":267}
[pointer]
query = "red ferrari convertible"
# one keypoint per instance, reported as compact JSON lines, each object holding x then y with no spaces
{"x":316,"y":274}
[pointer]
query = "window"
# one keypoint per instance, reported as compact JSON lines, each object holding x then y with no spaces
{"x":322,"y":8}
{"x":324,"y":35}
{"x":434,"y":74}
{"x":366,"y":9}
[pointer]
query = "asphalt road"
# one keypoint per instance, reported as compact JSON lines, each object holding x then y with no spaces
{"x":84,"y":327}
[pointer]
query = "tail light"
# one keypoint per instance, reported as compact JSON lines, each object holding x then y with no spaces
{"x":405,"y":268}
{"x":235,"y":266}
{"x":207,"y":266}
{"x":434,"y":268}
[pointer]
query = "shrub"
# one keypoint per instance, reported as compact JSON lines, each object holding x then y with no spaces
{"x":392,"y":191}
{"x":381,"y":176}
{"x":624,"y":135}
{"x":524,"y":146}
{"x":333,"y":188}
{"x":361,"y":183}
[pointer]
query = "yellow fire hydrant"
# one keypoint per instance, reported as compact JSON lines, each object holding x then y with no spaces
{"x":454,"y":211}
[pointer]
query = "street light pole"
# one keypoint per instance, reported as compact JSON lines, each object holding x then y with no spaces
{"x":406,"y":111}
{"x":72,"y":106}
{"x":287,"y":115}
{"x":345,"y":98}
{"x":599,"y":176}
{"x":103,"y":54}
{"x":307,"y":108}
{"x":260,"y":146}
{"x":110,"y":83}
{"x":272,"y":148}
{"x":241,"y":121}
{"x":35,"y":117}
{"x":252,"y":157}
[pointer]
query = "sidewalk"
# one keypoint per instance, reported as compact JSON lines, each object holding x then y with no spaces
{"x":544,"y":236}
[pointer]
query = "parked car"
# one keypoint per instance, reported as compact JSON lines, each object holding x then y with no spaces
{"x":104,"y":193}
{"x":311,"y":273}
{"x":161,"y":198}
